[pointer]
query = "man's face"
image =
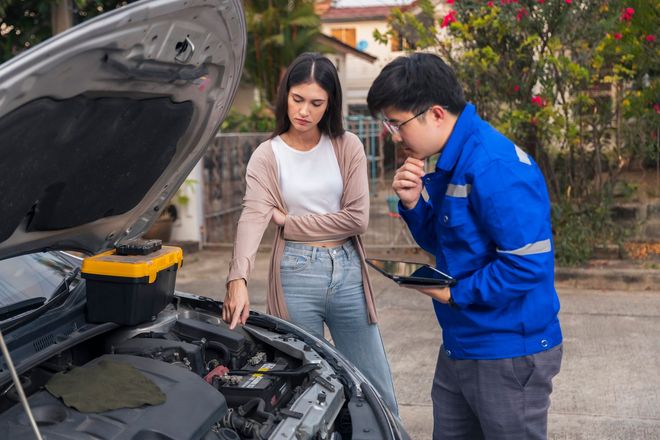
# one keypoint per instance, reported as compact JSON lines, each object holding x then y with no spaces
{"x":420,"y":134}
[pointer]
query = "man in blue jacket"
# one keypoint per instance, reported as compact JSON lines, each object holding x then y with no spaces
{"x":487,"y":222}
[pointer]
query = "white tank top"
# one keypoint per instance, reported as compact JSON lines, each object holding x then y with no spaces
{"x":310,"y":181}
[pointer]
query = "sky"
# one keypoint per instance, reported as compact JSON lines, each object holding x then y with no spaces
{"x":352,"y":3}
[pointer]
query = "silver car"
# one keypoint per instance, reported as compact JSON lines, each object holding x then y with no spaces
{"x":99,"y":126}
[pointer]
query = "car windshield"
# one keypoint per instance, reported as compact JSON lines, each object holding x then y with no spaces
{"x":32,"y":276}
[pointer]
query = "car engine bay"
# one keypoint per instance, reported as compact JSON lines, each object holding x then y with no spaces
{"x":246,"y":383}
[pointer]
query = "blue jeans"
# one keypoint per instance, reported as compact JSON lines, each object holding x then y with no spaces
{"x":324,"y":285}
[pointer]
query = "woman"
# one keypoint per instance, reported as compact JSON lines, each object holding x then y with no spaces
{"x":310,"y":178}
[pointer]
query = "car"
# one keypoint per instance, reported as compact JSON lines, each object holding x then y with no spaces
{"x":100,"y":125}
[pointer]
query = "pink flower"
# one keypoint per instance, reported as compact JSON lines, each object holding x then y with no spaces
{"x":541,"y":1}
{"x":650,"y":38}
{"x":522,"y":13}
{"x":656,"y":107}
{"x":448,"y":19}
{"x":450,"y":2}
{"x":627,"y":14}
{"x":516,"y":88}
{"x":538,"y":101}
{"x":617,"y":36}
{"x":490,"y":4}
{"x":568,"y":2}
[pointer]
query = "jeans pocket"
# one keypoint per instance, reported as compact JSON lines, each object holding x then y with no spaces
{"x":523,"y":369}
{"x":294,"y":263}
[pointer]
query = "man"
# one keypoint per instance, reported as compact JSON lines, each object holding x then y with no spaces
{"x":487,"y":222}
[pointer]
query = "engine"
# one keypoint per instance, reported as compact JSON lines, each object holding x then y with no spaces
{"x":246,"y":383}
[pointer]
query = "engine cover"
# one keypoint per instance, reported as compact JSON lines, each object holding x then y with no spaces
{"x":192,"y":406}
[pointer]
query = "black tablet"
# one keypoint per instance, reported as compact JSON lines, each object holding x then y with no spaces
{"x":412,"y":274}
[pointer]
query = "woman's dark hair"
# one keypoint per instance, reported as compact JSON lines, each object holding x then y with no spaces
{"x":307,"y":68}
{"x":414,"y":83}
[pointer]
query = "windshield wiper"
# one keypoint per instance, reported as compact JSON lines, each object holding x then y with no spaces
{"x":21,"y":307}
{"x":60,"y":294}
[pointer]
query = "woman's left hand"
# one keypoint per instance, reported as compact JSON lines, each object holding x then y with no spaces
{"x":278,"y":217}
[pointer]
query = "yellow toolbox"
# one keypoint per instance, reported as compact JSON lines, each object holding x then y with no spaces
{"x":131,"y":283}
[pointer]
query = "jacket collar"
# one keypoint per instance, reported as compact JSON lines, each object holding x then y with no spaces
{"x":454,"y":145}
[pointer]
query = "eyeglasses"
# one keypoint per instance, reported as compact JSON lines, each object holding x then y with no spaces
{"x":394,"y":128}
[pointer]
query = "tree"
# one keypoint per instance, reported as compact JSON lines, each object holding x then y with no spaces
{"x":278,"y":31}
{"x":574,"y":83}
{"x":24,"y":23}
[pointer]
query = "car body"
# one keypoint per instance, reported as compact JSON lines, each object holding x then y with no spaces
{"x":101,"y":124}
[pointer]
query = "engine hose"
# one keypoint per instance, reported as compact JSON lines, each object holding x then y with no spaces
{"x":222,"y":349}
{"x":245,"y":427}
{"x":258,"y":405}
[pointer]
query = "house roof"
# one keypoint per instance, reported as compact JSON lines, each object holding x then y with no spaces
{"x":361,"y":13}
{"x":341,"y":47}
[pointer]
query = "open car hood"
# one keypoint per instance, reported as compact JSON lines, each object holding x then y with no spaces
{"x":101,"y":124}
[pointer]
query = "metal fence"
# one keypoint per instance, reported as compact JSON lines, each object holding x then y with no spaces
{"x":224,"y":185}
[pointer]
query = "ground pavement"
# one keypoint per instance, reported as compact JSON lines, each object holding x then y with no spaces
{"x":609,"y":386}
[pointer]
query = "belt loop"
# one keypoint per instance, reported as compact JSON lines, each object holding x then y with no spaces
{"x":314,"y":250}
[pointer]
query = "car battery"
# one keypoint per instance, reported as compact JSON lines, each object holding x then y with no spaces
{"x":131,"y":283}
{"x":274,"y":390}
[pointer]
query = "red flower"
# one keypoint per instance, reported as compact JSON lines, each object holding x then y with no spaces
{"x":490,"y":4}
{"x":568,"y":2}
{"x":617,"y":36}
{"x":650,"y":38}
{"x":541,"y":1}
{"x":448,"y":19}
{"x":538,"y":101}
{"x":516,"y":88}
{"x":627,"y":14}
{"x":450,"y":2}
{"x":522,"y":12}
{"x":656,"y":107}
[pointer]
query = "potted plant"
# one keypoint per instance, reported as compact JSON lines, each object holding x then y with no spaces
{"x":162,"y":227}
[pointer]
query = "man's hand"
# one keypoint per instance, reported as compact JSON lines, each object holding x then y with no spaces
{"x":441,"y":294}
{"x":278,"y":217}
{"x":236,"y":306}
{"x":407,"y":182}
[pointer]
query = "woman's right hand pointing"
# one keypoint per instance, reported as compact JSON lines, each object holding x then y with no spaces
{"x":236,"y":306}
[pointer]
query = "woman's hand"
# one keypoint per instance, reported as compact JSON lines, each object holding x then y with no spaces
{"x":236,"y":306}
{"x":278,"y":217}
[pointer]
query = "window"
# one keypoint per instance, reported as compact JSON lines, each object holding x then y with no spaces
{"x":398,"y":43}
{"x":345,"y":35}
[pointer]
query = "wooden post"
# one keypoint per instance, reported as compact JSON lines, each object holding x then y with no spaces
{"x":61,"y":16}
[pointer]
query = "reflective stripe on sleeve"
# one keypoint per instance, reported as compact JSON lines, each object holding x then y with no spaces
{"x":540,"y":247}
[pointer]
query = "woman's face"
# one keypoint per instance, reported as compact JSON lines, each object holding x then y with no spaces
{"x":306,"y":106}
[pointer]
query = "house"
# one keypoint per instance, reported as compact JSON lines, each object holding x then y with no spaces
{"x":355,"y":26}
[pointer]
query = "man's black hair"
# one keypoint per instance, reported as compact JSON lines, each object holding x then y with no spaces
{"x":414,"y":83}
{"x":307,"y":68}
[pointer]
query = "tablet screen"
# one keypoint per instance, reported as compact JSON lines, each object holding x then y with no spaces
{"x":405,"y":272}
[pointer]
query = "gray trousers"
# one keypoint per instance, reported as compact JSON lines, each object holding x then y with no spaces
{"x":493,"y":399}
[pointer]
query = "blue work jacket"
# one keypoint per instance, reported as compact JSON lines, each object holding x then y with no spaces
{"x":487,"y":222}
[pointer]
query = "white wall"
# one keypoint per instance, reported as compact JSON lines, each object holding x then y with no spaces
{"x":359,"y":74}
{"x":189,"y":226}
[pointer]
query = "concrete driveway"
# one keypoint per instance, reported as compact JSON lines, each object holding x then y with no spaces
{"x":609,"y":386}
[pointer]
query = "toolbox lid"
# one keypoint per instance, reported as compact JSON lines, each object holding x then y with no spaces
{"x":112,"y":264}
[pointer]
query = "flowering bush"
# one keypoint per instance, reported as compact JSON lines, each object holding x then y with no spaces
{"x":574,"y":83}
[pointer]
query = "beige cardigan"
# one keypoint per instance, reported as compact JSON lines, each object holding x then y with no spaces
{"x":263,"y":193}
